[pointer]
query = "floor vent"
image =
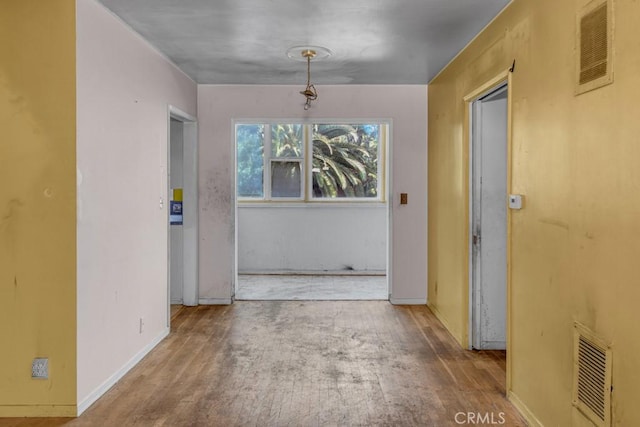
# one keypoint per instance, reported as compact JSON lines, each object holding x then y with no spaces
{"x":592,"y":376}
{"x":594,"y":46}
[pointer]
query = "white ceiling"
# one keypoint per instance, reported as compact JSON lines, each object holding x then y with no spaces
{"x":245,"y":41}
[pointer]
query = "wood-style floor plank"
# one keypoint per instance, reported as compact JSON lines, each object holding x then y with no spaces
{"x":294,"y":363}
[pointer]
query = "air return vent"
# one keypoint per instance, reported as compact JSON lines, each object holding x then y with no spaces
{"x":592,"y":376}
{"x":594,"y":46}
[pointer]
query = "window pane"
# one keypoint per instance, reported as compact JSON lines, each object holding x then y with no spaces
{"x":250,"y":143}
{"x":285,"y":179}
{"x":345,"y":160}
{"x":286,"y":140}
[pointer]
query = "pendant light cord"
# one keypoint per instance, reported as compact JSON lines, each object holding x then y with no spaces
{"x":310,"y":92}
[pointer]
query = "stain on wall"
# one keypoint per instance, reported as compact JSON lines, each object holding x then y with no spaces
{"x":37,"y":206}
{"x":575,"y":160}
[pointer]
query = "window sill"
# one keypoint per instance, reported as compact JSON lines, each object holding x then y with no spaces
{"x":321,"y":204}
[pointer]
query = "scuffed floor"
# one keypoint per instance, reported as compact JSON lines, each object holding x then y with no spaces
{"x":311,"y":287}
{"x":304,"y":363}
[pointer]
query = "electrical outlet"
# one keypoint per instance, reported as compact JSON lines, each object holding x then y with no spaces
{"x":141,"y":325}
{"x":404,"y":198}
{"x":40,"y":368}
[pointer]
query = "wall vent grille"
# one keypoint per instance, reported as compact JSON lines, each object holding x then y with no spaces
{"x":594,"y":45}
{"x":592,"y":376}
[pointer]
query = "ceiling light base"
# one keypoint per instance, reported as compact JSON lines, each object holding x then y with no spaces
{"x":308,"y":53}
{"x":301,"y":53}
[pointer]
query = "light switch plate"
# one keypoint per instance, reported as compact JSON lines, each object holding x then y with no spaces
{"x":515,"y":201}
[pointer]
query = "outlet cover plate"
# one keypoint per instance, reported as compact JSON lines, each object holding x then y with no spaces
{"x":40,"y":368}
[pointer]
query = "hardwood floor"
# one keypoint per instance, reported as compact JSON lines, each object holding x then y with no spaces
{"x":294,"y":363}
{"x":174,"y":310}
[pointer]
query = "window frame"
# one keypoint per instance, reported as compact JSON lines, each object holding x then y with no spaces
{"x":268,"y":159}
{"x":306,"y":162}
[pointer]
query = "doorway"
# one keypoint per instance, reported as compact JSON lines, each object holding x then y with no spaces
{"x":322,"y":239}
{"x":488,"y":216}
{"x":182,"y":176}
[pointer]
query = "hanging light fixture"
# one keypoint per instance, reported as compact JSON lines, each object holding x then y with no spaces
{"x":307,"y":53}
{"x":310,"y":92}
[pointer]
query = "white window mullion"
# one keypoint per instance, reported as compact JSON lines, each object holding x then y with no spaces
{"x":308,"y":155}
{"x":382,"y":161}
{"x":303,"y":165}
{"x":267,"y":162}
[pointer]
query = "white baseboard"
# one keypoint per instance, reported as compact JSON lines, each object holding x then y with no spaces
{"x":214,"y":301}
{"x":408,"y":301}
{"x":110,"y":382}
{"x":312,"y":273}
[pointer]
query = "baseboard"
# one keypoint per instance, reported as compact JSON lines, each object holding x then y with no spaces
{"x":494,"y":345}
{"x":408,"y":301}
{"x":110,"y":382}
{"x":312,"y":273}
{"x":214,"y":301}
{"x":524,"y":410}
{"x":447,"y":325}
{"x":22,"y":411}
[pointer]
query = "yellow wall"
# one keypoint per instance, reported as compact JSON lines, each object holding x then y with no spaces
{"x":37,"y":206}
{"x":576,"y":243}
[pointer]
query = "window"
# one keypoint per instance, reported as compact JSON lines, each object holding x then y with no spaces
{"x":345,"y":161}
{"x":342,"y":161}
{"x":250,"y":146}
{"x":286,"y":161}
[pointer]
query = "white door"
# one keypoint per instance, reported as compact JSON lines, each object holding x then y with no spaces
{"x":489,"y":220}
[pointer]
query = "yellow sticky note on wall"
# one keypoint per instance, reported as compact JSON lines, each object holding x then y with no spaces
{"x":177,"y":194}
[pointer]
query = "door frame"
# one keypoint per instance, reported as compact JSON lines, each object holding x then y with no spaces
{"x":476,"y":147}
{"x":190,"y":200}
{"x":503,"y":78}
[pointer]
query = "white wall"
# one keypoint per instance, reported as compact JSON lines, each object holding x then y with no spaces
{"x":312,"y":237}
{"x":405,"y":105}
{"x":123,"y":91}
